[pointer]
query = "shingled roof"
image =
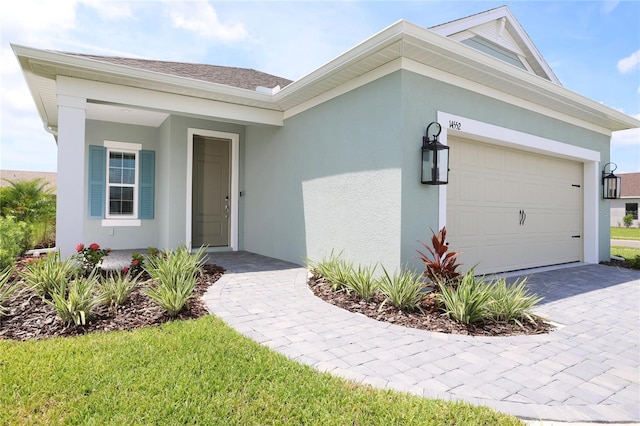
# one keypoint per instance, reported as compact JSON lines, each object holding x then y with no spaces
{"x":630,"y":184}
{"x":244,"y":78}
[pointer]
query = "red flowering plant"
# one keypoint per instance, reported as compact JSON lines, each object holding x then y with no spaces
{"x":136,"y":267}
{"x":91,"y":257}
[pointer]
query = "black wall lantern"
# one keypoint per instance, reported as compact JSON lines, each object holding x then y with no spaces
{"x":610,"y":183}
{"x":435,"y":157}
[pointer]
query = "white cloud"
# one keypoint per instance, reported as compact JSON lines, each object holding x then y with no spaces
{"x":201,"y":18}
{"x":110,"y":10}
{"x":629,"y":63}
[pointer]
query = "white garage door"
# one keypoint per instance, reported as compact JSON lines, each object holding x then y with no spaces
{"x":509,"y":209}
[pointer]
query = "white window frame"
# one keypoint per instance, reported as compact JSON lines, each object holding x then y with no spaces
{"x":122,"y":220}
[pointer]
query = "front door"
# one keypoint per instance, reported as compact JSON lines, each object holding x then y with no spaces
{"x":211,"y":192}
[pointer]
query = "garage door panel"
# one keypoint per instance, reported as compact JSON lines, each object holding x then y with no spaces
{"x":484,"y":205}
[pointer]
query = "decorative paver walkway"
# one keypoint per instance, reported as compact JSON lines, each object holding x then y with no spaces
{"x":587,"y":370}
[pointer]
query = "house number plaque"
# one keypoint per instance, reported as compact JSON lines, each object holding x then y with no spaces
{"x":455,"y":125}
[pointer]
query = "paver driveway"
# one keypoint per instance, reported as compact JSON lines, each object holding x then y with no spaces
{"x":587,"y":370}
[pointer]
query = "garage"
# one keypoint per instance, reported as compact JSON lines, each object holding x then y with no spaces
{"x":509,"y":209}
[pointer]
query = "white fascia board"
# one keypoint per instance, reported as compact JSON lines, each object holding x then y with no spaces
{"x":463,"y":24}
{"x":150,"y":99}
{"x":387,"y":36}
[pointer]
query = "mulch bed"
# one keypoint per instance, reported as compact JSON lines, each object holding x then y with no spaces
{"x":31,"y":318}
{"x":429,"y":317}
{"x":621,"y":264}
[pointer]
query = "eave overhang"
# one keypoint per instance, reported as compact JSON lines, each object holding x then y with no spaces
{"x":396,"y":43}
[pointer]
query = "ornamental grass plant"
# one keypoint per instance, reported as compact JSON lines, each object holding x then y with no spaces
{"x":469,"y":301}
{"x":50,"y":274}
{"x":116,"y":288}
{"x":362,"y":282}
{"x":511,"y":302}
{"x":6,"y":288}
{"x":404,"y":289}
{"x":75,"y":301}
{"x":174,"y":275}
{"x":334,"y":269}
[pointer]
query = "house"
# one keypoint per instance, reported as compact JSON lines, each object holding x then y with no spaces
{"x":154,"y":153}
{"x":47,"y":178}
{"x":628,"y":201}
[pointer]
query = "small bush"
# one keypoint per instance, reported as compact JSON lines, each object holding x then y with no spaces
{"x":6,"y":288}
{"x":115,"y":289}
{"x":14,"y":240}
{"x":440,"y":264}
{"x":334,"y":269}
{"x":75,"y":301}
{"x":362,"y":283}
{"x":627,"y":219}
{"x":469,"y":301}
{"x":49,"y":274}
{"x":91,"y":257}
{"x":511,"y":302}
{"x":404,"y":290}
{"x":175,"y":276}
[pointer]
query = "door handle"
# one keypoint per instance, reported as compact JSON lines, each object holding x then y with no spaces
{"x":226,"y":207}
{"x":523,"y":217}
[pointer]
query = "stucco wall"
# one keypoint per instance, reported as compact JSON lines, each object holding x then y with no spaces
{"x":328,"y":180}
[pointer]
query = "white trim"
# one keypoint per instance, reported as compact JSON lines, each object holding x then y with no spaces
{"x":502,"y":136}
{"x":125,"y":146}
{"x":120,"y":222}
{"x":235,"y":163}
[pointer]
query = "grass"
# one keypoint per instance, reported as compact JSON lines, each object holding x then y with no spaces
{"x":625,"y":233}
{"x":628,"y":253}
{"x":196,"y":372}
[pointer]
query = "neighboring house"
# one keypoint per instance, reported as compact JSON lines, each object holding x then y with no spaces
{"x":48,"y":178}
{"x":154,"y":153}
{"x":628,"y":201}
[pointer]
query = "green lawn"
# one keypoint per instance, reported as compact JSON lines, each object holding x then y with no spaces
{"x":196,"y":372}
{"x":625,"y":233}
{"x":628,"y":253}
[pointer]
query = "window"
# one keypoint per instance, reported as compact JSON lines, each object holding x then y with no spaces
{"x":121,"y":183}
{"x":632,"y":209}
{"x":122,"y":188}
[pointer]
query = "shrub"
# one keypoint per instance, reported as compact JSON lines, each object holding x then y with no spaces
{"x":115,"y":289}
{"x":334,"y":269}
{"x":6,"y":288}
{"x":440,"y":263}
{"x":469,"y":301}
{"x":362,"y":282}
{"x":28,"y":200}
{"x":49,"y":274}
{"x":511,"y":302}
{"x":14,"y":240}
{"x":136,"y":267}
{"x":75,"y":301}
{"x":90,"y":257}
{"x":404,"y":290}
{"x":175,"y":276}
{"x":627,"y":219}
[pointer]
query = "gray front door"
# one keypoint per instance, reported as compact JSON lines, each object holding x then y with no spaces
{"x":211,"y":190}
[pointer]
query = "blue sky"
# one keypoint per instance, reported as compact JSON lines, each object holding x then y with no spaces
{"x":592,"y":46}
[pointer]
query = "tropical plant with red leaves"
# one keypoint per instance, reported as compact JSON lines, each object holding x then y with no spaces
{"x":440,"y":264}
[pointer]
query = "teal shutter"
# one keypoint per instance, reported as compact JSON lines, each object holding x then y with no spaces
{"x":97,"y":181}
{"x":146,"y":184}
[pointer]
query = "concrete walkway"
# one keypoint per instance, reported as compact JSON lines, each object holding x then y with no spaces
{"x":586,"y":371}
{"x":626,"y":243}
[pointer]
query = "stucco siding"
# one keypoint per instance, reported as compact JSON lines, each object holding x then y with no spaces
{"x":329,"y":180}
{"x":618,"y":211}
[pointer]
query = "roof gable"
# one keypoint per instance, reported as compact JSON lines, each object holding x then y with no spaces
{"x":498,"y":33}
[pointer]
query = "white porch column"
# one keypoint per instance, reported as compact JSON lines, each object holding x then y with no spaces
{"x":71,"y":207}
